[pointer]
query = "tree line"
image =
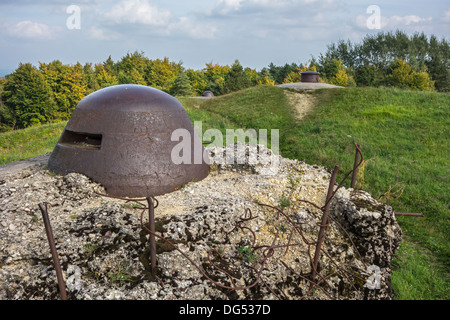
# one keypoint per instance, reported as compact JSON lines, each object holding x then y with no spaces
{"x":394,"y":59}
{"x":35,"y":95}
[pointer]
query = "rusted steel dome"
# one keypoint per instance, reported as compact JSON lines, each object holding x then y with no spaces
{"x":120,"y":136}
{"x":208,"y":94}
{"x":310,"y":76}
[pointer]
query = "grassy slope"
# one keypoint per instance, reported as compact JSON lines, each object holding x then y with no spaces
{"x":404,"y":137}
{"x":404,"y":134}
{"x":30,"y":142}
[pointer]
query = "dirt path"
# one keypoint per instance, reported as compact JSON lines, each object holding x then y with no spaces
{"x":22,"y":167}
{"x":302,"y":102}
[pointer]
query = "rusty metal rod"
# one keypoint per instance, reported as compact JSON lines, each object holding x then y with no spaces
{"x":324,"y":223}
{"x":355,"y":166}
{"x":408,"y":214}
{"x":151,"y":219}
{"x":51,"y":242}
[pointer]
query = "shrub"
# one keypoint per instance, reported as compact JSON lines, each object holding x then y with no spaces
{"x":334,"y":72}
{"x":181,"y":85}
{"x":370,"y":75}
{"x":198,"y":80}
{"x":401,"y":75}
{"x":236,"y":79}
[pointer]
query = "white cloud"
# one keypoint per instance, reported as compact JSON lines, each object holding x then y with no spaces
{"x":274,"y":19}
{"x":446,"y":17}
{"x":153,"y":19}
{"x":139,"y":11}
{"x":193,"y":29}
{"x":228,"y":7}
{"x":404,"y":21}
{"x":260,"y":18}
{"x":101,"y":34}
{"x":394,"y":22}
{"x":30,"y":29}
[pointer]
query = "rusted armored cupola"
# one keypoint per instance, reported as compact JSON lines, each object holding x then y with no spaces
{"x":208,"y":94}
{"x":310,"y":76}
{"x":120,"y":136}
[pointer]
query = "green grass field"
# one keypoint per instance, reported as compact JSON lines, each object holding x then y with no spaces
{"x":30,"y":142}
{"x":404,"y":138}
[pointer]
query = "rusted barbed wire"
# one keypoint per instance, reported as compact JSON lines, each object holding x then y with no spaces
{"x":277,"y":249}
{"x":267,"y":253}
{"x":194,"y":264}
{"x":145,"y":208}
{"x":269,"y":250}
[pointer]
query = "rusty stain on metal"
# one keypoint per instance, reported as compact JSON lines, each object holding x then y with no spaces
{"x":120,"y":136}
{"x":51,"y":242}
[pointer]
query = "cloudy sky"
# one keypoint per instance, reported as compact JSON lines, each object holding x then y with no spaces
{"x":257,"y":32}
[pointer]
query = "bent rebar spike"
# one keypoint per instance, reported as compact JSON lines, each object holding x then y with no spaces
{"x":324,"y":223}
{"x":51,"y":242}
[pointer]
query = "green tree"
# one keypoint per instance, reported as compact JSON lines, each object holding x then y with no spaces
{"x":334,"y":72}
{"x":110,"y":66}
{"x":131,"y":68}
{"x":68,"y":87}
{"x":370,"y":75}
{"x":198,"y":80}
{"x":181,"y":86}
{"x":103,"y":77}
{"x":422,"y":81}
{"x":265,"y":77}
{"x":253,"y":76}
{"x":402,"y":75}
{"x":373,"y":56}
{"x":28,"y":97}
{"x":161,"y":73}
{"x":6,"y":117}
{"x":132,"y":76}
{"x":89,"y":79}
{"x":216,"y":74}
{"x":438,"y":63}
{"x":344,"y":51}
{"x":278,"y":74}
{"x":236,"y":79}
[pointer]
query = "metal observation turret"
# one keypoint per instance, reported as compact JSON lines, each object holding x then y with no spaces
{"x":120,"y":136}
